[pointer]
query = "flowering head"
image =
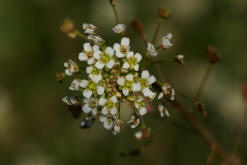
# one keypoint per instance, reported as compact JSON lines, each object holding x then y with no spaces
{"x":113,"y":77}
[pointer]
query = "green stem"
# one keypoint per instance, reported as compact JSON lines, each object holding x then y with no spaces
{"x":115,"y":13}
{"x":157,"y":31}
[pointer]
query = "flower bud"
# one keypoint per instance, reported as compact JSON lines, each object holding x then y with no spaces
{"x":68,"y":28}
{"x":180,"y":59}
{"x":60,"y":76}
{"x":213,"y":55}
{"x":164,"y":13}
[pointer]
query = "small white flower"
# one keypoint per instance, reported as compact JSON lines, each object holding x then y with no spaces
{"x":125,"y":91}
{"x":75,"y":85}
{"x":89,"y":28}
{"x":119,"y":28}
{"x":87,"y":93}
{"x":134,"y":121}
{"x":96,"y":39}
{"x":71,"y":67}
{"x":166,"y":41}
{"x":168,"y":91}
{"x":151,"y":51}
{"x":100,"y":90}
{"x":86,"y":108}
{"x":132,"y":61}
{"x":150,"y":79}
{"x":102,"y":101}
{"x":123,"y":48}
{"x":70,"y":100}
{"x":108,"y":124}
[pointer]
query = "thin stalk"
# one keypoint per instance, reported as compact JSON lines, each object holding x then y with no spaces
{"x":239,"y":132}
{"x":115,"y":13}
{"x":157,"y":31}
{"x":203,"y":82}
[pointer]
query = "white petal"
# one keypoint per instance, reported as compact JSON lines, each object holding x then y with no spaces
{"x":95,"y":48}
{"x":83,"y":83}
{"x":97,"y":54}
{"x":116,"y":47}
{"x":95,"y":78}
{"x":136,"y":67}
{"x":130,"y":54}
{"x":121,"y":81}
{"x":129,"y":77}
{"x":113,"y":99}
{"x":99,"y":65}
{"x":160,"y":107}
{"x":94,"y":111}
{"x":109,"y":51}
{"x":86,"y":108}
{"x":138,"y":57}
{"x":126,"y":65}
{"x":169,"y":36}
{"x":89,"y":69}
{"x":119,"y":54}
{"x":143,"y":111}
{"x":125,"y":41}
{"x":68,"y":72}
{"x":90,"y":61}
{"x":146,"y":91}
{"x":104,"y":111}
{"x":113,"y":110}
{"x":161,"y":95}
{"x":151,"y":80}
{"x":102,"y":101}
{"x":110,"y":64}
{"x":87,"y":93}
{"x":100,"y":90}
{"x":138,"y":135}
{"x":87,"y":47}
{"x":145,"y":74}
{"x":83,"y":57}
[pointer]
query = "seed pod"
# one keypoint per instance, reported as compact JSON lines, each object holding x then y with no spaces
{"x":213,"y":55}
{"x":164,"y":13}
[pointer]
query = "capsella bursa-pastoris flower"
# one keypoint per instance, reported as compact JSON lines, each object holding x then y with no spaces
{"x":115,"y":75}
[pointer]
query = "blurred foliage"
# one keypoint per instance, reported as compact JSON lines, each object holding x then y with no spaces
{"x":37,"y":128}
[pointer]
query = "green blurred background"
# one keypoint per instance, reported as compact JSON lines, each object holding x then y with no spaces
{"x":37,"y":129}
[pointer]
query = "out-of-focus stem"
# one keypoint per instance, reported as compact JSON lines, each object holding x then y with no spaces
{"x":239,"y":132}
{"x":114,"y":11}
{"x":203,"y":82}
{"x":157,"y":30}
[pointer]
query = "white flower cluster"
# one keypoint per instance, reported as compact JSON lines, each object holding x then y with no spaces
{"x":113,"y":77}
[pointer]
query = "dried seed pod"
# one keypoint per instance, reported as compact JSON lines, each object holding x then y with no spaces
{"x":213,"y":55}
